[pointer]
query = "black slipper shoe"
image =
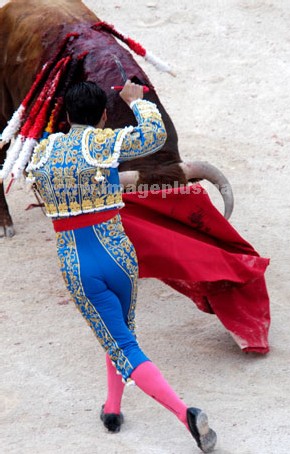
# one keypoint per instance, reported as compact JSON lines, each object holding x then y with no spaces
{"x":112,"y":421}
{"x":198,"y":424}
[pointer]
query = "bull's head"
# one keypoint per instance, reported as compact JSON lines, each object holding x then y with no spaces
{"x":179,"y":174}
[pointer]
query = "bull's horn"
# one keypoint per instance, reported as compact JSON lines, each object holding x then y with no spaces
{"x":204,"y":170}
{"x":128,"y":179}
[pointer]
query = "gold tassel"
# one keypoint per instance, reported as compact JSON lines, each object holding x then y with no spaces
{"x":99,"y":176}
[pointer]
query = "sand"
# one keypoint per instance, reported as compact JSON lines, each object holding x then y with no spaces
{"x":230,"y":105}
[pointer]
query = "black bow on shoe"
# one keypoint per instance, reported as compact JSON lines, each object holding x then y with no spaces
{"x":112,"y":421}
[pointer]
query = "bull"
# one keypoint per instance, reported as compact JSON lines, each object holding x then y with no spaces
{"x":30,"y":35}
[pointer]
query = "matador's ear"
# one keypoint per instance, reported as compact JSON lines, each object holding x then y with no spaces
{"x":104,"y":118}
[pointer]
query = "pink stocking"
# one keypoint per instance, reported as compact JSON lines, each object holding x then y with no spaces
{"x":148,"y":378}
{"x":115,"y":389}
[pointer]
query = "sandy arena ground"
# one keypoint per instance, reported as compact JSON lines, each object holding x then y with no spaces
{"x":230,"y":104}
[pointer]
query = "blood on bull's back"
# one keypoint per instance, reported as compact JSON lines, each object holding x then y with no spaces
{"x":32,"y":33}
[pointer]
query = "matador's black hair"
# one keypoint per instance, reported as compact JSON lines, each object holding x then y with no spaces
{"x":85,"y":103}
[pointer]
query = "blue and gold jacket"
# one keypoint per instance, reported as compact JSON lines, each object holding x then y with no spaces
{"x":77,"y":172}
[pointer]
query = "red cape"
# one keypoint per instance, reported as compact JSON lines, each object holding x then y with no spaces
{"x":183,"y":240}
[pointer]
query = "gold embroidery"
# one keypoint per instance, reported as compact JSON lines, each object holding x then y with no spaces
{"x":67,"y":181}
{"x":110,"y":199}
{"x":39,"y":151}
{"x":63,"y":208}
{"x":70,"y":267}
{"x":101,"y":136}
{"x":148,"y":137}
{"x":120,"y":248}
{"x":50,"y":208}
{"x":74,"y":206}
{"x":87,"y":205}
{"x":73,"y":188}
{"x":98,"y":202}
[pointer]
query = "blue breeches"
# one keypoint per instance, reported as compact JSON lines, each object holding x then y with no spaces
{"x":100,"y":269}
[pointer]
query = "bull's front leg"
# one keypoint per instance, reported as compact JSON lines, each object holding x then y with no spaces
{"x":6,"y":224}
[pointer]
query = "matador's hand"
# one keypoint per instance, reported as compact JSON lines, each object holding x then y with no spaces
{"x":131,"y":92}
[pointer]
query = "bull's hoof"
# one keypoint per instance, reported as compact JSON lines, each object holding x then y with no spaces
{"x":7,"y":231}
